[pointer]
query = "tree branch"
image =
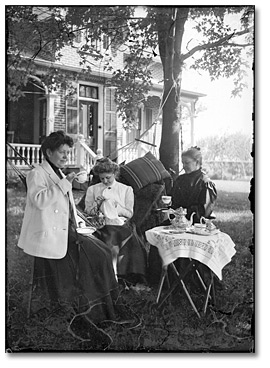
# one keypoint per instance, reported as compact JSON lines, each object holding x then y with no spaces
{"x":223,"y":41}
{"x":239,"y":44}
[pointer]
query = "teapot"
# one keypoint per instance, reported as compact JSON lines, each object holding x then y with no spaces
{"x":180,"y":220}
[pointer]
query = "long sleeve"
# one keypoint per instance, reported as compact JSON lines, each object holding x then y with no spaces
{"x":90,"y":204}
{"x":195,"y":192}
{"x":127,"y":209}
{"x":210,"y":198}
{"x":41,"y":195}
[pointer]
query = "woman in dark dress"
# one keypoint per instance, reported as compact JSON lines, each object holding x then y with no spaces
{"x":193,"y":191}
{"x":71,"y":269}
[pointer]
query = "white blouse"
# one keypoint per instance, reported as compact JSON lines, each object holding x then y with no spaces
{"x":121,"y":194}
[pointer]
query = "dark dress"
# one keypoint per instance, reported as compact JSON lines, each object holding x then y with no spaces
{"x":195,"y":192}
{"x":83,"y":278}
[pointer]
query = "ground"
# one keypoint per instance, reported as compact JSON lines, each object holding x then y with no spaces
{"x":227,"y":327}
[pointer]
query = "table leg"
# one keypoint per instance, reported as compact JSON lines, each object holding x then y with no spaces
{"x":179,"y":281}
{"x":208,"y":296}
{"x":189,"y":298}
{"x":163,"y":275}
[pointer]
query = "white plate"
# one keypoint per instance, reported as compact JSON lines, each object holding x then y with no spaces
{"x":203,"y":232}
{"x":173,"y":230}
{"x":86,"y":230}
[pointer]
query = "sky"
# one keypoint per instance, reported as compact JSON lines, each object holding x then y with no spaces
{"x":223,"y":114}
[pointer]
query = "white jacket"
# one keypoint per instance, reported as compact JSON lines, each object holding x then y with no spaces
{"x":44,"y":231}
{"x":120,"y":193}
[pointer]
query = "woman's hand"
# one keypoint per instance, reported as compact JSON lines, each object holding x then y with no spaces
{"x":71,"y":176}
{"x":99,"y":200}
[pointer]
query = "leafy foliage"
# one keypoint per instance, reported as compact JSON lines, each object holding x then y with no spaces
{"x":235,"y":147}
{"x":42,"y":32}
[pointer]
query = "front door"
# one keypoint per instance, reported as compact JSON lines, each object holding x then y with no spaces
{"x":88,"y":122}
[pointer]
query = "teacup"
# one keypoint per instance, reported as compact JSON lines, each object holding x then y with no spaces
{"x":166,"y":199}
{"x":81,"y":177}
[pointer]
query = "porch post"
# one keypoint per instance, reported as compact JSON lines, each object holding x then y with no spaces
{"x":50,"y":112}
{"x":79,"y":150}
{"x":192,"y":138}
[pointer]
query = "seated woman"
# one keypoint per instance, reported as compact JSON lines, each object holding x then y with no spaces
{"x":116,"y":201}
{"x":193,"y":191}
{"x":70,"y":269}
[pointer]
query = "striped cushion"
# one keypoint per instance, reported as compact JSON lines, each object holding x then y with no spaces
{"x":143,"y":171}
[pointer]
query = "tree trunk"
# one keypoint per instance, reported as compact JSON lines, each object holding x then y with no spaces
{"x":170,"y":24}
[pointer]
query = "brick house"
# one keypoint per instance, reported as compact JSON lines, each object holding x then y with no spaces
{"x":89,"y":116}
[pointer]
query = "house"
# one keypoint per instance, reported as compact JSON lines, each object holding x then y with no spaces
{"x":89,"y":115}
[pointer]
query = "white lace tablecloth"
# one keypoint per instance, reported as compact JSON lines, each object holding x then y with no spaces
{"x":215,"y":251}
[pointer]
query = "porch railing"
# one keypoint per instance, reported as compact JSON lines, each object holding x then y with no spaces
{"x":134,"y":150}
{"x":31,"y":152}
{"x":84,"y":156}
{"x":80,"y":156}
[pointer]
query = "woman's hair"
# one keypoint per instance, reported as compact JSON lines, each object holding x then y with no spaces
{"x":194,"y":153}
{"x":105,"y":165}
{"x":54,"y":141}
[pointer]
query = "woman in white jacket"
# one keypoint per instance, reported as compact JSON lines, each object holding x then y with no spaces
{"x":68,"y":266}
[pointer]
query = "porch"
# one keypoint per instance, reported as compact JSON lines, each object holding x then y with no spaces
{"x":81,"y":156}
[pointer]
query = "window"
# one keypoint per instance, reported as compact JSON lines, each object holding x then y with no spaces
{"x":110,"y":131}
{"x":88,"y":91}
{"x":72,"y":112}
{"x":148,"y":118}
{"x":97,"y":44}
{"x":78,"y":36}
{"x":72,"y":126}
{"x":110,"y":99}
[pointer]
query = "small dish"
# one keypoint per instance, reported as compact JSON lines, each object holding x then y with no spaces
{"x":86,"y":230}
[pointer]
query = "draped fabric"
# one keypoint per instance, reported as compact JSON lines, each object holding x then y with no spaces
{"x":83,"y":278}
{"x":132,"y":256}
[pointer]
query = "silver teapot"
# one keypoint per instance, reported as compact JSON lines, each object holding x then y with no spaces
{"x":180,"y":221}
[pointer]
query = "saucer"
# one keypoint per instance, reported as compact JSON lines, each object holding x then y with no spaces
{"x":86,"y":230}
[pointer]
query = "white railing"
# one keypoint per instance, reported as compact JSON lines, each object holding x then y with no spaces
{"x":134,"y":150}
{"x":31,"y":152}
{"x":80,"y":156}
{"x":85,"y":157}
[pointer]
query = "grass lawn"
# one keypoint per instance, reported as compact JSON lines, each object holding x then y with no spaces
{"x":226,"y":327}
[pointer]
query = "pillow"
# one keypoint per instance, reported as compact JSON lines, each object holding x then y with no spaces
{"x":143,"y":171}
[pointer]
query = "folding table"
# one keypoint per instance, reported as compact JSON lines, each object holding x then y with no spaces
{"x":215,"y":250}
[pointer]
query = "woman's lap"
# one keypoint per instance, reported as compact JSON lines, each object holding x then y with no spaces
{"x":83,"y":277}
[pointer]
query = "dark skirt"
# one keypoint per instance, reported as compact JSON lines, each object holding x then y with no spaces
{"x":84,"y":278}
{"x":132,"y":256}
